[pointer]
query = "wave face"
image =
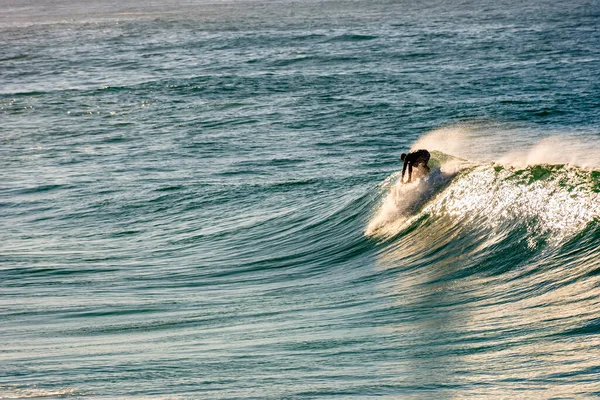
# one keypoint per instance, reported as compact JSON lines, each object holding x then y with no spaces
{"x":199,"y":199}
{"x":497,"y":269}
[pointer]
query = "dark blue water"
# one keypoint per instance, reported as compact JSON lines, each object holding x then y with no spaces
{"x":201,"y":200}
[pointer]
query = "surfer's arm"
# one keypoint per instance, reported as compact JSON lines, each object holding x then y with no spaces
{"x":403,"y":171}
{"x":409,"y":172}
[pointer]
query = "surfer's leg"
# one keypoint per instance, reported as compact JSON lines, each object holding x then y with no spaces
{"x":424,"y":160}
{"x":421,"y":169}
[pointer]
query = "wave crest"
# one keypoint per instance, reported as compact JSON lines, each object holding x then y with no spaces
{"x":552,"y":202}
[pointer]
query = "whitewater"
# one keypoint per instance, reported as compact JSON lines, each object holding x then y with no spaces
{"x":552,"y":187}
{"x":201,"y":200}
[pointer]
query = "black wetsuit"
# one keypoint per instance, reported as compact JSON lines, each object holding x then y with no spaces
{"x":414,"y":159}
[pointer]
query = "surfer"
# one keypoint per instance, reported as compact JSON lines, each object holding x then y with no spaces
{"x":414,"y":159}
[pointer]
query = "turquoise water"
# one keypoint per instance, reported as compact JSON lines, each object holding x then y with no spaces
{"x":201,"y":200}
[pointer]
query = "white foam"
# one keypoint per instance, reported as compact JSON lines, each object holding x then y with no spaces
{"x":491,"y":197}
{"x":403,"y":199}
{"x":486,"y":192}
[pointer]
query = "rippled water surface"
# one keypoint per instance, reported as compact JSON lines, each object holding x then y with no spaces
{"x":200,"y":200}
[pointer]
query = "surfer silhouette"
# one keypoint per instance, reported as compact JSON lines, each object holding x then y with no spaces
{"x":418,"y":158}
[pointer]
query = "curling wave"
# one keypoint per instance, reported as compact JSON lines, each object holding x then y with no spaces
{"x":549,"y":202}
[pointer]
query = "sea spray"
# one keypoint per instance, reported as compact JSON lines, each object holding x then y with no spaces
{"x":403,"y":199}
{"x":488,"y":143}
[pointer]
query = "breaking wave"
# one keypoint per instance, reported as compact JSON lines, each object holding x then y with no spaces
{"x":549,"y":202}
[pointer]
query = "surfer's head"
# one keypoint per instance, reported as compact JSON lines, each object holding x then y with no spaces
{"x":403,"y":156}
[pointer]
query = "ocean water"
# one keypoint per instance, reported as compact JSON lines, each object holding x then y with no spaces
{"x":201,"y":200}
